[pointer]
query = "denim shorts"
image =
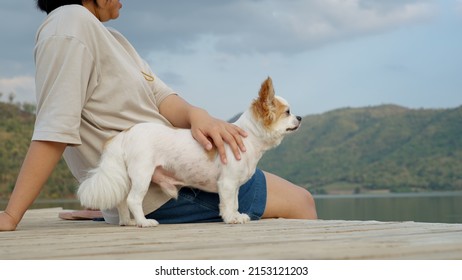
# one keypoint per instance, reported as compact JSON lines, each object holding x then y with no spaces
{"x":196,"y":206}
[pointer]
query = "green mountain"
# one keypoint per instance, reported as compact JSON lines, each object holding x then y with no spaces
{"x":385,"y":147}
{"x":351,"y":150}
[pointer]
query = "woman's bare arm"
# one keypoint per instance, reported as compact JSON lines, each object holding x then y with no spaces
{"x":38,"y":165}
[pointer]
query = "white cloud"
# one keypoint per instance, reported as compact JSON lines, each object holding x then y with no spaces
{"x":23,"y":88}
{"x":299,"y":25}
{"x":267,"y":25}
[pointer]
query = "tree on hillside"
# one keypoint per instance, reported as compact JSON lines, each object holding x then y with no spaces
{"x":11,"y":97}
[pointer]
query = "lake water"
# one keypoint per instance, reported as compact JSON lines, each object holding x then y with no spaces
{"x":440,"y":207}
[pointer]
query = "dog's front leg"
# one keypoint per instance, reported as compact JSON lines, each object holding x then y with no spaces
{"x":228,"y":192}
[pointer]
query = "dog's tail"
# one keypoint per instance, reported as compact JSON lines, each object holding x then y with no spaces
{"x":108,"y":184}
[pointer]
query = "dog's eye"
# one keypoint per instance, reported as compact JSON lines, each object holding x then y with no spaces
{"x":288,"y":112}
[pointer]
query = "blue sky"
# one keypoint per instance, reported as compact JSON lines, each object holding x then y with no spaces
{"x":321,"y":54}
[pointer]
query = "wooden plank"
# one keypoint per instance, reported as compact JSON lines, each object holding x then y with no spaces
{"x":42,"y":235}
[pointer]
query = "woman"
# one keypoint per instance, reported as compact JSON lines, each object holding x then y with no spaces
{"x":92,"y":84}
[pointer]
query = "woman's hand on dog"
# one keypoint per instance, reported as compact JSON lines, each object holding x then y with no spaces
{"x":208,"y":131}
{"x":211,"y":132}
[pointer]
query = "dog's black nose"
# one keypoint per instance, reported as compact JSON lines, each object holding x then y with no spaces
{"x":299,"y":118}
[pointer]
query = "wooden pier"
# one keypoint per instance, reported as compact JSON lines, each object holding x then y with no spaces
{"x":42,"y":235}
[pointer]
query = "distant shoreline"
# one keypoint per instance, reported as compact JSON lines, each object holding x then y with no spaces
{"x":388,"y":195}
{"x":70,"y":201}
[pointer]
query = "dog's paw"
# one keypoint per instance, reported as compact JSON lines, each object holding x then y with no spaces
{"x":129,"y":222}
{"x":236,"y":218}
{"x":147,"y":223}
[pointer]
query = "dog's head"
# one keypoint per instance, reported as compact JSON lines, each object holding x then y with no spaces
{"x":273,"y":112}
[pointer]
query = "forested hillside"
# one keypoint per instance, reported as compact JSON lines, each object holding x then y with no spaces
{"x":384,"y":147}
{"x":347,"y":150}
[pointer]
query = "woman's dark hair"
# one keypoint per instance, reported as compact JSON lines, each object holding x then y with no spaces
{"x":49,"y":5}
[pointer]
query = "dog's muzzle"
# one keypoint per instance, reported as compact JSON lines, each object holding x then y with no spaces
{"x":299,"y":119}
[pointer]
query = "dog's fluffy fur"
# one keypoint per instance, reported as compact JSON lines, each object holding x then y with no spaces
{"x":172,"y":157}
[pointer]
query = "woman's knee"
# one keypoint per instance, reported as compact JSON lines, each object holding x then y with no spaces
{"x":286,"y":200}
{"x":309,"y":209}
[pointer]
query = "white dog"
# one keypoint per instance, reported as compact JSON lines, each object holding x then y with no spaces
{"x":171,"y":157}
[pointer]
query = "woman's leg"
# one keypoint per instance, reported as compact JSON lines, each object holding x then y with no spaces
{"x":286,"y":200}
{"x":282,"y":198}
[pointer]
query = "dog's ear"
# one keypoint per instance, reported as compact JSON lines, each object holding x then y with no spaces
{"x":266,"y":94}
{"x":263,"y":106}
